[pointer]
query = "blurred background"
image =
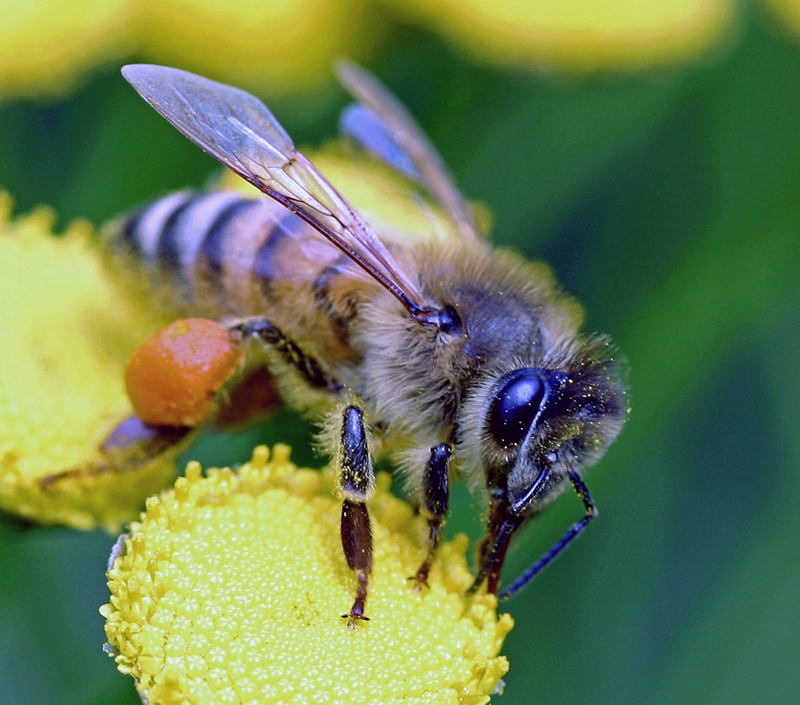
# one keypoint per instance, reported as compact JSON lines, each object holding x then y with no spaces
{"x":662,"y":183}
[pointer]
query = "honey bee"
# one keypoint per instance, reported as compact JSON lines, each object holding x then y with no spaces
{"x":460,"y":359}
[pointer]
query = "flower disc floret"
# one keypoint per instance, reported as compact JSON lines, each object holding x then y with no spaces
{"x":232,"y":587}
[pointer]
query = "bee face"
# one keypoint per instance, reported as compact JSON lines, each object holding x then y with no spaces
{"x":537,"y":423}
{"x":469,"y":357}
{"x":524,"y":425}
{"x":514,"y":429}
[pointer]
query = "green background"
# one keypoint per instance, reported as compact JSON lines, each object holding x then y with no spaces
{"x":669,"y":204}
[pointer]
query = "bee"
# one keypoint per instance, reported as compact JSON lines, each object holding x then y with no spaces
{"x":460,"y":359}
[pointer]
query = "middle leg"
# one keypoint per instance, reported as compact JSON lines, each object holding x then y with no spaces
{"x":433,"y":504}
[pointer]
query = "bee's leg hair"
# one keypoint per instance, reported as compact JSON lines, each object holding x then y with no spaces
{"x":356,"y":482}
{"x":309,"y":367}
{"x":433,"y":503}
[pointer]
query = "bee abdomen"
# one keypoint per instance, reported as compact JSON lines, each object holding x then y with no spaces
{"x":221,"y":253}
{"x":186,"y":241}
{"x":166,"y":235}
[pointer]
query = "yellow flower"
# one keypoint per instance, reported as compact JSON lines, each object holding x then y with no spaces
{"x":66,"y":334}
{"x":289,"y":45}
{"x":231,"y":589}
{"x":46,"y":45}
{"x":277,"y":46}
{"x":788,"y":11}
{"x":576,"y":34}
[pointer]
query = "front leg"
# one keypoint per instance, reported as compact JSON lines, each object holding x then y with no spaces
{"x":433,"y":503}
{"x":357,"y":484}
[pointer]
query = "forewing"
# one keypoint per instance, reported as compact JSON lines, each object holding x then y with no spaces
{"x":395,"y":136}
{"x":237,"y":129}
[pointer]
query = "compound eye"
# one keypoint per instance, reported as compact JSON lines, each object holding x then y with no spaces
{"x":516,"y":403}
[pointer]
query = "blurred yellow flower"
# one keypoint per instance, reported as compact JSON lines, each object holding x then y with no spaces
{"x":66,"y":335}
{"x":231,"y":589}
{"x":289,"y":45}
{"x":576,"y":34}
{"x":276,"y":46}
{"x":788,"y":11}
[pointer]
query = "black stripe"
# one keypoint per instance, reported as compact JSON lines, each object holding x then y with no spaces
{"x":321,"y":286}
{"x":129,"y":234}
{"x":212,"y":248}
{"x":264,"y":264}
{"x":168,"y":251}
{"x":340,"y":322}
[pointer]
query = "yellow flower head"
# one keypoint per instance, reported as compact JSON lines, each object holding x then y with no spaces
{"x":67,"y":332}
{"x":576,"y":35}
{"x":277,"y":46}
{"x":232,"y":587}
{"x":289,"y":45}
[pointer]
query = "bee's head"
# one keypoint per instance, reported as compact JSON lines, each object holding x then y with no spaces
{"x":538,"y":426}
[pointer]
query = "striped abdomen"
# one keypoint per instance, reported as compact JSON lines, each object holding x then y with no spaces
{"x":220,"y":254}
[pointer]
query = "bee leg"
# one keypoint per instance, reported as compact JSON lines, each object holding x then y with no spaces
{"x":356,"y":482}
{"x":130,"y":446}
{"x":309,"y":367}
{"x":433,"y":504}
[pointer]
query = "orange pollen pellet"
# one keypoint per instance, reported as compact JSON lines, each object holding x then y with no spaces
{"x":174,"y":376}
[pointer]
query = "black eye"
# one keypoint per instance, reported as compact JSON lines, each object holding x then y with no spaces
{"x":516,"y":402}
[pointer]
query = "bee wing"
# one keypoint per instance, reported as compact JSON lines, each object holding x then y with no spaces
{"x":365,"y":127}
{"x":237,"y":129}
{"x":395,"y":136}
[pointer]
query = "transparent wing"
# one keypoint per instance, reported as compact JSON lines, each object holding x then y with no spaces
{"x":396,"y":137}
{"x":362,"y":125}
{"x":237,"y":129}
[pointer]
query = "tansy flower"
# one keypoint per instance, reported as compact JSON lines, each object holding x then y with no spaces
{"x":276,"y":46}
{"x":231,"y":588}
{"x":67,"y":332}
{"x":575,"y":34}
{"x":788,"y":11}
{"x":289,"y":45}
